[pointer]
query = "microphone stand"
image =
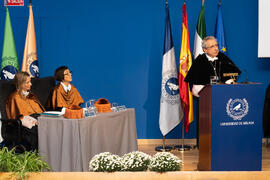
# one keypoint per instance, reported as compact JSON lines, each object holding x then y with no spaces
{"x":219,"y":71}
{"x":246,"y":76}
{"x":215,"y":68}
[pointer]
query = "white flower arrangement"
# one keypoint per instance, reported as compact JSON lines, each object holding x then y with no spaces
{"x":135,"y":161}
{"x":105,"y":162}
{"x":165,"y":161}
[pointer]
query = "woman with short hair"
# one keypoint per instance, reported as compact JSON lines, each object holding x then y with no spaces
{"x":64,"y":94}
{"x":24,"y":105}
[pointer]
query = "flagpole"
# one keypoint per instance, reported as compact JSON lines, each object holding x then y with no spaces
{"x":165,"y":129}
{"x":183,"y":147}
{"x":184,"y":92}
{"x":30,"y":3}
{"x":163,"y":148}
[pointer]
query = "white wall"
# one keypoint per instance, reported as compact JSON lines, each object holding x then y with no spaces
{"x":264,"y":28}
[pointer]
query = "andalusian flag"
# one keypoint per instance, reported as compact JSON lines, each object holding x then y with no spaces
{"x":219,"y":33}
{"x":185,"y":63}
{"x":170,"y":109}
{"x":10,"y":64}
{"x":30,"y":60}
{"x":200,"y":33}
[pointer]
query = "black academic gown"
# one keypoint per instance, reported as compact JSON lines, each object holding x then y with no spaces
{"x":202,"y":69}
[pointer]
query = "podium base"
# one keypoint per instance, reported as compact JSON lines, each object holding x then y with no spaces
{"x":183,"y":148}
{"x":163,"y":149}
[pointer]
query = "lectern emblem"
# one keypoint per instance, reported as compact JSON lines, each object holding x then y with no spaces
{"x":237,"y":108}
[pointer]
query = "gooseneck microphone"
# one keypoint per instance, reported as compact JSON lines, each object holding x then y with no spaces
{"x":219,"y":71}
{"x":246,"y":82}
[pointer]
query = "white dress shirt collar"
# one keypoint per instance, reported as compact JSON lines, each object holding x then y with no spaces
{"x":25,"y":93}
{"x":66,"y":88}
{"x":210,"y":58}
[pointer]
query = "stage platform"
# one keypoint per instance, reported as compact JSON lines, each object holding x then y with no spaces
{"x":190,"y":158}
{"x":181,"y":175}
{"x":188,"y":172}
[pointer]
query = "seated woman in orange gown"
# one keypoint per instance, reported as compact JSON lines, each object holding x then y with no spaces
{"x":64,"y":93}
{"x":24,"y":105}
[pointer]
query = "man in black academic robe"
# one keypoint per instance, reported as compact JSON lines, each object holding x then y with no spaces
{"x":210,"y":63}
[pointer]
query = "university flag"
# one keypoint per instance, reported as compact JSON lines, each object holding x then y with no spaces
{"x":30,"y":60}
{"x":185,"y":63}
{"x":170,"y":108}
{"x":10,"y":64}
{"x":200,"y":33}
{"x":219,"y":32}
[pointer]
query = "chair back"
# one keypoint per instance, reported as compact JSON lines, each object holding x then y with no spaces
{"x":6,"y":88}
{"x":42,"y":87}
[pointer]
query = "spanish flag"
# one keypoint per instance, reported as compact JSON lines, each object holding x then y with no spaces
{"x":30,"y":60}
{"x":185,"y":63}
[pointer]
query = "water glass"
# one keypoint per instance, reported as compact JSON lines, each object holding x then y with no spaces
{"x":121,"y":108}
{"x":214,"y":80}
{"x":90,"y":108}
{"x":91,"y":112}
{"x":114,"y":107}
{"x":92,"y":103}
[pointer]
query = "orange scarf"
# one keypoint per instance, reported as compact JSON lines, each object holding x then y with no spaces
{"x":61,"y":98}
{"x":16,"y":105}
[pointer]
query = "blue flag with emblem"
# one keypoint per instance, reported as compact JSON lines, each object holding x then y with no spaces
{"x":10,"y":64}
{"x":219,"y":32}
{"x":170,"y":108}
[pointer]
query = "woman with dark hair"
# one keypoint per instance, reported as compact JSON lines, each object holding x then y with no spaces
{"x":64,"y":93}
{"x":24,"y":105}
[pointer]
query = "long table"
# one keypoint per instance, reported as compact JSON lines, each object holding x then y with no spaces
{"x":69,"y":144}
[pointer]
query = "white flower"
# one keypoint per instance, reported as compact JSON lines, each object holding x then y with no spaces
{"x":105,"y":162}
{"x":165,"y":161}
{"x":135,"y":161}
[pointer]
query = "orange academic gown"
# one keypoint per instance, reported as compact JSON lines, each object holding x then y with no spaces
{"x":61,"y":98}
{"x":17,"y":106}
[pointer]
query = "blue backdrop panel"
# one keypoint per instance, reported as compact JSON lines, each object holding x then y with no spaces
{"x":236,"y":127}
